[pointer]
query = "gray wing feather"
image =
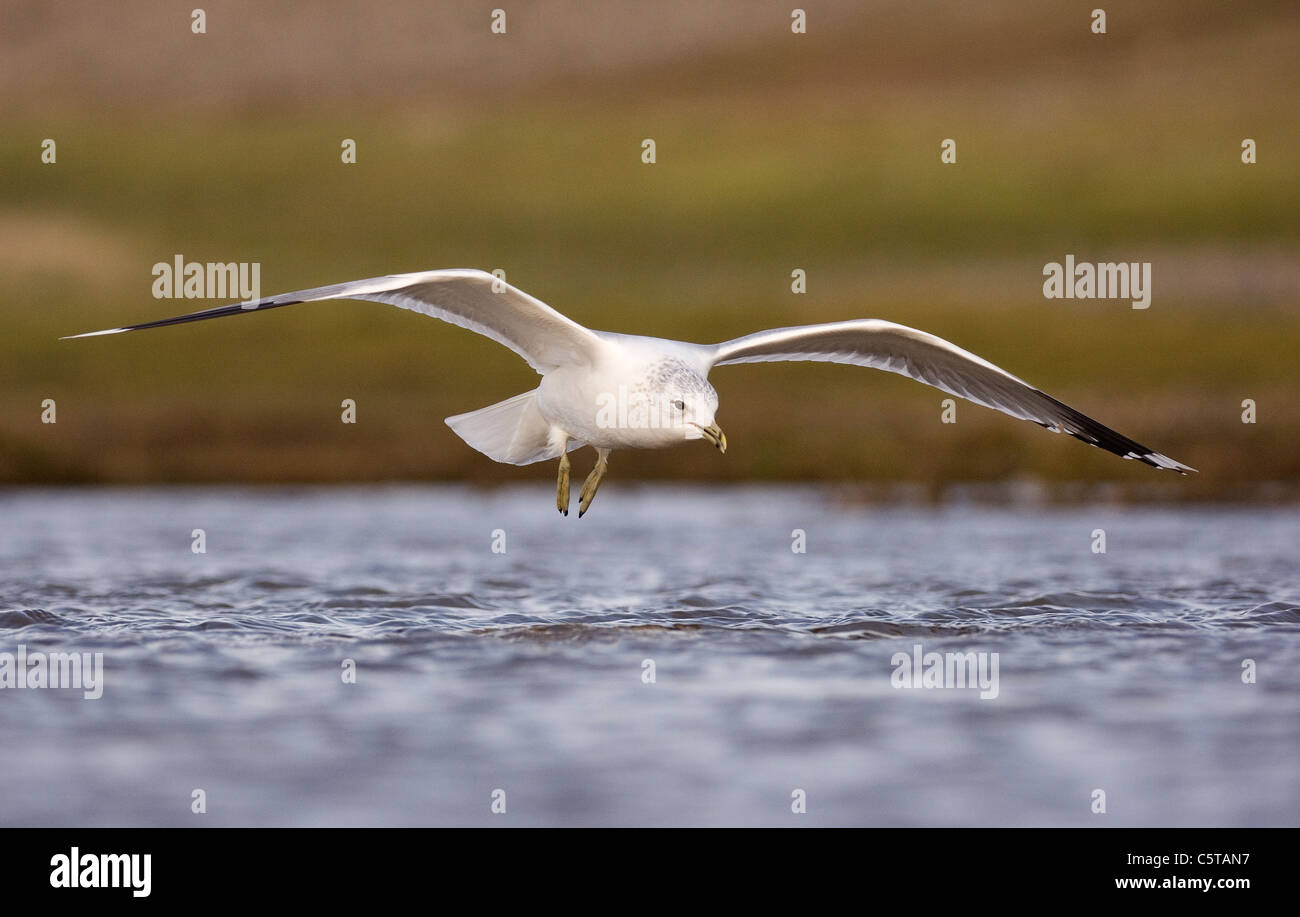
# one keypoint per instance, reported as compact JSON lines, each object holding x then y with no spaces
{"x":934,"y":361}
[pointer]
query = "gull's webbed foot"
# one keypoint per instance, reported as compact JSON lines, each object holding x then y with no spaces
{"x":562,"y":485}
{"x":592,"y":483}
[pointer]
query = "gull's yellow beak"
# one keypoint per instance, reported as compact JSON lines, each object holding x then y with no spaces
{"x":713,"y":433}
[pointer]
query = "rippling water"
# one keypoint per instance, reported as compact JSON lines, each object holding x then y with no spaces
{"x":525,"y":671}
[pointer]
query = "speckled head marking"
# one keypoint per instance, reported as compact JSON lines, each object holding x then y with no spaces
{"x":674,"y":376}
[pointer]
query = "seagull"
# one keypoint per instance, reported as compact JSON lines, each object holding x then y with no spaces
{"x":621,"y":391}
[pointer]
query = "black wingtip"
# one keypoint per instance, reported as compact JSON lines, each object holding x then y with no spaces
{"x":1103,"y":437}
{"x":239,"y":308}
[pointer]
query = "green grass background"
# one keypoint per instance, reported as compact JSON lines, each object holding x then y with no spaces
{"x":778,"y":152}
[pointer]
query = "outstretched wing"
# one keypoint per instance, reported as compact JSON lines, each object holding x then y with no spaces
{"x":471,"y":299}
{"x":934,"y":361}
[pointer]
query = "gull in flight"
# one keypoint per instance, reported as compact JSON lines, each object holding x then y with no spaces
{"x":621,"y":391}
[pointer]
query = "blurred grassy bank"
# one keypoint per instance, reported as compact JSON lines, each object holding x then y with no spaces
{"x":771,"y":156}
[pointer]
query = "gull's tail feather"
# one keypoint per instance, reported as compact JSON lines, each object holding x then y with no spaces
{"x":512,"y":431}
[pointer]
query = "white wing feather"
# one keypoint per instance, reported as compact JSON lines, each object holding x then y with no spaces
{"x":934,"y":361}
{"x":470,"y":299}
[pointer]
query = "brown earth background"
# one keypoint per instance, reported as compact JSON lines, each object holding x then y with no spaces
{"x":775,"y":151}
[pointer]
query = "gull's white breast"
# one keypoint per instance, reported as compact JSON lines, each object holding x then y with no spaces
{"x":598,"y":403}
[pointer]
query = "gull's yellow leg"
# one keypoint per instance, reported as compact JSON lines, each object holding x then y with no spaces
{"x":562,"y":485}
{"x":590,"y":486}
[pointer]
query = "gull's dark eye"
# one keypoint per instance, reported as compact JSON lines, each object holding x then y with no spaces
{"x":680,"y":405}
